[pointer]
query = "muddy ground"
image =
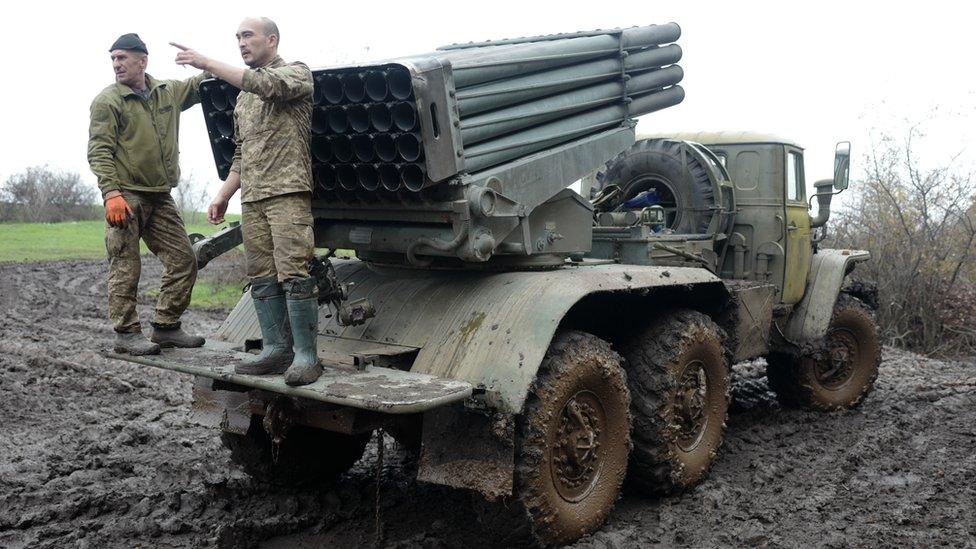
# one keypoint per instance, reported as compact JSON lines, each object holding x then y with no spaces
{"x":96,"y":453}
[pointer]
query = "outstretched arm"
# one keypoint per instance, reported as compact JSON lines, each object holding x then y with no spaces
{"x":226,"y":72}
{"x":271,"y":84}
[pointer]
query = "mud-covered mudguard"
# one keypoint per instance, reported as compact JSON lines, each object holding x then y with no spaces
{"x":810,"y":317}
{"x":489,"y":329}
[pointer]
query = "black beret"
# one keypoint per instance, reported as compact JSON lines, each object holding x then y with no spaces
{"x":130,"y":41}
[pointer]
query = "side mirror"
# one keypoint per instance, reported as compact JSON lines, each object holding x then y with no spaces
{"x":842,"y":165}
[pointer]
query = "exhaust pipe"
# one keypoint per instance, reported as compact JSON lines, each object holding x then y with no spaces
{"x":824,"y":195}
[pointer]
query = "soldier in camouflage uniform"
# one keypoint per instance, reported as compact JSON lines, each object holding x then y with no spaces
{"x":133,"y":151}
{"x":272,"y":168}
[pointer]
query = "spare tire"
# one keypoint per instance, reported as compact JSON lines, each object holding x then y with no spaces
{"x":681,"y":179}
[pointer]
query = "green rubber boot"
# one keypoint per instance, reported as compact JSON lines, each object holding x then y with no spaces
{"x":303,"y":313}
{"x":269,"y":304}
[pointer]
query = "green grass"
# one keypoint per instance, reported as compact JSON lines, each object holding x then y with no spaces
{"x":86,"y":240}
{"x":69,"y":240}
{"x":209,"y":294}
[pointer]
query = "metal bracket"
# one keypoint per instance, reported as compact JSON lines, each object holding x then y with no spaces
{"x":362,"y":361}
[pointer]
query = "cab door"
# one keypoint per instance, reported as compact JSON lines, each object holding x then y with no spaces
{"x":798,"y":247}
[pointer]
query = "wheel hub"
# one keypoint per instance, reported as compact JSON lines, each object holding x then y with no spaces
{"x":577,"y":454}
{"x":841,"y":355}
{"x":689,"y":405}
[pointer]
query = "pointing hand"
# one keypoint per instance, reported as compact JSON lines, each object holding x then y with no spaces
{"x":187,"y":56}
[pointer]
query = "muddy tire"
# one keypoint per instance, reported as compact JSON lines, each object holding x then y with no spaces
{"x":840,"y":374}
{"x":307,"y":456}
{"x":747,"y":394}
{"x":678,"y":376}
{"x":685,"y":190}
{"x":573,"y":439}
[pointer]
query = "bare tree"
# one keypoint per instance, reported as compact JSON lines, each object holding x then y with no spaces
{"x":43,"y":194}
{"x":919,"y":223}
{"x":191,"y":199}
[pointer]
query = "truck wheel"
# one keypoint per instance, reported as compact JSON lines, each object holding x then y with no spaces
{"x":305,"y":456}
{"x":678,"y":377}
{"x":841,"y":373}
{"x":573,"y":439}
{"x":686,"y":192}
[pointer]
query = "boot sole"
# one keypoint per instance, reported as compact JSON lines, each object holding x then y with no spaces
{"x":172,"y":344}
{"x":264,"y":370}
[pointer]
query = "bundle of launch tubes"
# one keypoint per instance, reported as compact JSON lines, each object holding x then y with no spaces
{"x":509,"y":99}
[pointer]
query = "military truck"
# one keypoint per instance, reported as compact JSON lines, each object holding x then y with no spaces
{"x":534,"y":344}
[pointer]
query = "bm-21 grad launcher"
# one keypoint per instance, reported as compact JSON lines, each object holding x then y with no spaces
{"x":482,"y":321}
{"x":448,"y":155}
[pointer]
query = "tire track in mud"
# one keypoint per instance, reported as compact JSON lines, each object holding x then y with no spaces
{"x":105,"y":454}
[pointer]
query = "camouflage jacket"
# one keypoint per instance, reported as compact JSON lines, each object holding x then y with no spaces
{"x":272,"y":121}
{"x":132,"y":142}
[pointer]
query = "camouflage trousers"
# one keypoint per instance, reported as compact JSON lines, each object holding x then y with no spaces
{"x":158,"y":223}
{"x":278,"y":239}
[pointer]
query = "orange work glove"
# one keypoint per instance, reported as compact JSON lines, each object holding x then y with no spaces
{"x":117,"y":211}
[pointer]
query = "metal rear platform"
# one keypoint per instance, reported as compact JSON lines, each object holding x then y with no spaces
{"x":375,"y":388}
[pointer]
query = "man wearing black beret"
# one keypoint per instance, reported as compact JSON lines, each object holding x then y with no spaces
{"x":134,"y":153}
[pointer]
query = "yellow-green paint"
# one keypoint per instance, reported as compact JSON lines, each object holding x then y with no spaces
{"x":471,"y":326}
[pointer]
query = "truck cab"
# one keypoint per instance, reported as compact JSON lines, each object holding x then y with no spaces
{"x":768,"y":176}
{"x":758,"y":197}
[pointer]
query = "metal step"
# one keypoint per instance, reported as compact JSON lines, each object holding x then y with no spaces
{"x":374,"y":388}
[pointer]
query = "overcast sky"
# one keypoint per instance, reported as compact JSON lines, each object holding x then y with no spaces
{"x":816,"y":72}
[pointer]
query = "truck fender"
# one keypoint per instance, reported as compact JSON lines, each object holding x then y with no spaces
{"x":491,"y":330}
{"x":810,"y":317}
{"x":488,"y":329}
